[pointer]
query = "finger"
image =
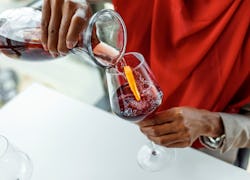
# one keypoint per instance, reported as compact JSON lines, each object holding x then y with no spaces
{"x":46,"y":12}
{"x":169,"y":115}
{"x":179,"y":145}
{"x":160,"y":130}
{"x":69,"y":9}
{"x":54,"y":25}
{"x":169,"y":139}
{"x":77,"y":25}
{"x":156,"y":119}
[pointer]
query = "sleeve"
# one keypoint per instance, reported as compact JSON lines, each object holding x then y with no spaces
{"x":237,"y":132}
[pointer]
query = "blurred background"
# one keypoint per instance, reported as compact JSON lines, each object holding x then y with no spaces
{"x":70,"y":75}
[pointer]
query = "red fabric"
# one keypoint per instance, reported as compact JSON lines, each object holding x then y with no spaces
{"x":199,"y":50}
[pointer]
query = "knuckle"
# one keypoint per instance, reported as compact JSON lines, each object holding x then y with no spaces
{"x":44,"y":25}
{"x":179,"y":113}
{"x":155,"y":131}
{"x":159,"y":141}
{"x":157,"y":121}
{"x":69,"y":5}
{"x":52,"y":31}
{"x":181,"y":126}
{"x":186,"y":125}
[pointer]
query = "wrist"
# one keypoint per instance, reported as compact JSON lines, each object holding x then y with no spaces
{"x":214,"y":125}
{"x":218,"y":127}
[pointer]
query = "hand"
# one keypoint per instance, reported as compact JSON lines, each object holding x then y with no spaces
{"x":181,"y":126}
{"x":62,"y":23}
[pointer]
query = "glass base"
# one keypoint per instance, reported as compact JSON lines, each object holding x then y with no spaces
{"x":155,"y":158}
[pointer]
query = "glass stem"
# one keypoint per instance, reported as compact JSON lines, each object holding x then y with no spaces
{"x":153,"y":147}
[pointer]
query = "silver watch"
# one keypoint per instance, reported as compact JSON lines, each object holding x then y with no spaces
{"x":214,"y":143}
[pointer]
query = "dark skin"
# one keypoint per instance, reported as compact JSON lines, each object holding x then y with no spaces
{"x":181,"y":126}
{"x":175,"y":127}
{"x":60,"y":27}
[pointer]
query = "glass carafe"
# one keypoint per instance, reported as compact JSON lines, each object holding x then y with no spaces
{"x":20,"y":36}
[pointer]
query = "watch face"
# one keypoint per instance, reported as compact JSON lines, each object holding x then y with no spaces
{"x":213,"y":143}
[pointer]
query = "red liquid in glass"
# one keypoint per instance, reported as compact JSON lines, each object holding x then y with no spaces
{"x":127,"y":107}
{"x":23,"y":50}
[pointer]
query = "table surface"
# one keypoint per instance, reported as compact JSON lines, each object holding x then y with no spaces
{"x":67,"y":139}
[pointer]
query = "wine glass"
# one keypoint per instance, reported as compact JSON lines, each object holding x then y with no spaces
{"x":14,"y":164}
{"x":124,"y":104}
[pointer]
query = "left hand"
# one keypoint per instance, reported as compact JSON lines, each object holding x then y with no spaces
{"x":181,"y":126}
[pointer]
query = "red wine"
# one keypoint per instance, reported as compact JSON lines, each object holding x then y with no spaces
{"x":127,"y":107}
{"x":23,"y":50}
{"x":34,"y":51}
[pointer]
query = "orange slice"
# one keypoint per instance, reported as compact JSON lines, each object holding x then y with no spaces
{"x":131,"y":81}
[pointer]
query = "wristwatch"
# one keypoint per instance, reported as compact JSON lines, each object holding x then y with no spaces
{"x":213,"y":143}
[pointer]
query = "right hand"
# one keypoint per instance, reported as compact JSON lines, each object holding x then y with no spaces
{"x":62,"y":24}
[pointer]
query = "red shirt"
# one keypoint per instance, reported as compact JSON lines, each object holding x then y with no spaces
{"x":199,"y":50}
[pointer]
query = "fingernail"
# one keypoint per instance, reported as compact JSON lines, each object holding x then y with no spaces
{"x":54,"y":55}
{"x":71,"y":44}
{"x":81,"y":12}
{"x":45,"y":47}
{"x":63,"y":54}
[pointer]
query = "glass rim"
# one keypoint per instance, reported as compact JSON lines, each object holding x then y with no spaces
{"x":7,"y":145}
{"x":88,"y":34}
{"x":116,"y":72}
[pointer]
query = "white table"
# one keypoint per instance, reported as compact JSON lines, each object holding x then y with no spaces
{"x":69,"y":140}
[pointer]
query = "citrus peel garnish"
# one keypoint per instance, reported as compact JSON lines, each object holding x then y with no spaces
{"x":131,"y":81}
